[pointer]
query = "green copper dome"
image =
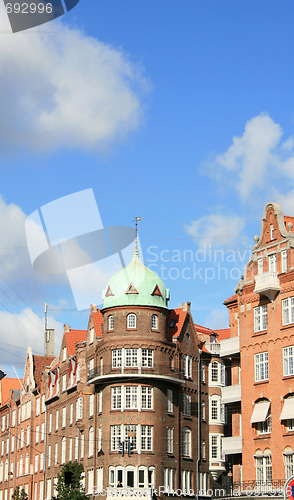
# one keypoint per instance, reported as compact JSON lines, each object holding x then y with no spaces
{"x":135,"y":285}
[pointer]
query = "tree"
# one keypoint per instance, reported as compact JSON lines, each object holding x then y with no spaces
{"x":19,"y":494}
{"x":69,"y":482}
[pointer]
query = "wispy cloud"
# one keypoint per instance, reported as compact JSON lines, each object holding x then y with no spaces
{"x":64,"y":89}
{"x":216,"y":230}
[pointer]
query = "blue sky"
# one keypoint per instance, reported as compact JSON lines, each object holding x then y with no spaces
{"x":178,"y":112}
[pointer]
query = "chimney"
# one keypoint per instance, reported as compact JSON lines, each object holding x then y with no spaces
{"x":186,"y":306}
{"x":93,"y":307}
{"x":49,"y":342}
{"x":66,"y":328}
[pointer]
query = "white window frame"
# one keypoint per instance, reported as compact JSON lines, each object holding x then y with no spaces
{"x":288,"y":311}
{"x":288,"y":361}
{"x":260,"y":318}
{"x":261,"y":366}
{"x":131,"y":321}
{"x":154,"y":322}
{"x":186,"y":405}
{"x":284,"y":261}
{"x":91,"y":442}
{"x":170,"y":401}
{"x":272,"y":263}
{"x":186,"y":442}
{"x":169,"y":440}
{"x":91,"y":405}
{"x":110,"y":322}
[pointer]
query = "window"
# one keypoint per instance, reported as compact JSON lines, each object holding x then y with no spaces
{"x":42,"y":431}
{"x":288,"y":311}
{"x":64,"y":354}
{"x":187,"y":366}
{"x":289,"y":462}
{"x":131,"y":397}
{"x":116,"y":358}
{"x":288,"y":361}
{"x":169,"y":440}
{"x":260,"y":318}
{"x":82,"y":444}
{"x":56,"y":421}
{"x":37,"y":406}
{"x":49,"y":456}
{"x":99,"y":441}
{"x":64,"y":383}
{"x":271,"y":231}
{"x":146,"y":398}
{"x":27,"y":464}
{"x":147,"y":358}
{"x":50,"y":423}
{"x":264,"y":468}
{"x":76,"y":447}
{"x":110,"y":322}
{"x":115,"y":437}
{"x":78,"y":375}
{"x":37,"y":434}
{"x":284,"y":260}
{"x":63,"y":417}
{"x":214,"y":371}
{"x":186,"y":445}
{"x":214,"y":409}
{"x":13,"y":418}
{"x":22,"y":438}
{"x":100,"y":401}
{"x":63,"y":450}
{"x":79,"y":409}
{"x":91,"y":442}
{"x":169,"y":480}
{"x":36,"y":463}
{"x":146,"y":437}
{"x":43,"y":403}
{"x":272,"y":262}
{"x":131,"y":321}
{"x":214,"y":447}
{"x":203,"y":450}
{"x":42,"y":461}
{"x":170,"y":401}
{"x":260,"y":266}
{"x":261,"y":366}
{"x":265,"y":426}
{"x":90,"y":481}
{"x":131,"y":357}
{"x":56,"y":454}
{"x":186,"y":481}
{"x":154,"y":322}
{"x":70,"y":450}
{"x":91,"y":405}
{"x":187,"y":405}
{"x":290,"y":424}
{"x":130,"y":436}
{"x":71,"y":414}
{"x":202,"y":410}
{"x":202,"y":373}
{"x":91,"y":336}
{"x":116,"y":398}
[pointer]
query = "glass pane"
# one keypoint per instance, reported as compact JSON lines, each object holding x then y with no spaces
{"x":130,"y":478}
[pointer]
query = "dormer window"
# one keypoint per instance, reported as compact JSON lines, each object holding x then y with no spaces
{"x":272,"y":231}
{"x":131,"y":321}
{"x":154,"y":322}
{"x":91,"y":340}
{"x":110,"y":322}
{"x":64,"y":354}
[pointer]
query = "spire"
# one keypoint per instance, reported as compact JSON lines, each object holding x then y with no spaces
{"x":136,"y":251}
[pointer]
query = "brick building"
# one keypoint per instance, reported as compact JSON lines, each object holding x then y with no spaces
{"x":262,"y":315}
{"x":123,"y":397}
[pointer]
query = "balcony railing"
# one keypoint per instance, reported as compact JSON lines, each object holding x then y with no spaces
{"x":267,"y":284}
{"x":231,"y":393}
{"x":247,"y":489}
{"x":213,"y":347}
{"x":162,"y":372}
{"x":232,"y":445}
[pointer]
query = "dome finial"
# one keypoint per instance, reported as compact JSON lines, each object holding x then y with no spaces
{"x":136,"y":251}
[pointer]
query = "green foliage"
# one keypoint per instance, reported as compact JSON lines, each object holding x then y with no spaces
{"x":74,"y":490}
{"x":19,"y":494}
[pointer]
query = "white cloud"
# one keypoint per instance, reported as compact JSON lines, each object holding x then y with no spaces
{"x":252,"y":154}
{"x":18,"y":331}
{"x":216,"y":230}
{"x":62,"y":88}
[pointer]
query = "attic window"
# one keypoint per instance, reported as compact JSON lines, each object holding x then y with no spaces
{"x":272,"y":231}
{"x":64,"y":354}
{"x":131,"y":289}
{"x":172,"y":323}
{"x":109,"y":292}
{"x":156,"y":291}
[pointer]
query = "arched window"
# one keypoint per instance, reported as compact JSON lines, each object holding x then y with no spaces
{"x":91,"y":441}
{"x":110,"y":322}
{"x":154,"y":322}
{"x":63,"y":450}
{"x":289,"y":461}
{"x":131,"y":321}
{"x":186,"y":442}
{"x":214,"y":371}
{"x":214,"y":408}
{"x":263,"y":464}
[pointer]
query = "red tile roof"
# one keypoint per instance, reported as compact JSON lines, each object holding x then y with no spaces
{"x":231,"y":299}
{"x":98,"y":322}
{"x":7,"y":384}
{"x":39,"y":364}
{"x":72,"y":337}
{"x":203,"y":329}
{"x":179,"y":316}
{"x":288,"y":218}
{"x":223,"y":333}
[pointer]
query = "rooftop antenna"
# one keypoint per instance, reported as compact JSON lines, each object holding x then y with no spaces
{"x":45,"y":319}
{"x":136,"y":225}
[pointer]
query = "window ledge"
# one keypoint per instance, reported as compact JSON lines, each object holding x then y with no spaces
{"x":286,"y":377}
{"x":288,"y":433}
{"x":260,"y":382}
{"x":286,"y":327}
{"x":263,"y":436}
{"x":257,"y":334}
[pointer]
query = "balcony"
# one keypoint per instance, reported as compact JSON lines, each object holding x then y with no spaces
{"x":231,"y":393}
{"x":213,"y":347}
{"x":138,"y":372}
{"x":229,"y":346}
{"x":267,"y":284}
{"x":232,"y":445}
